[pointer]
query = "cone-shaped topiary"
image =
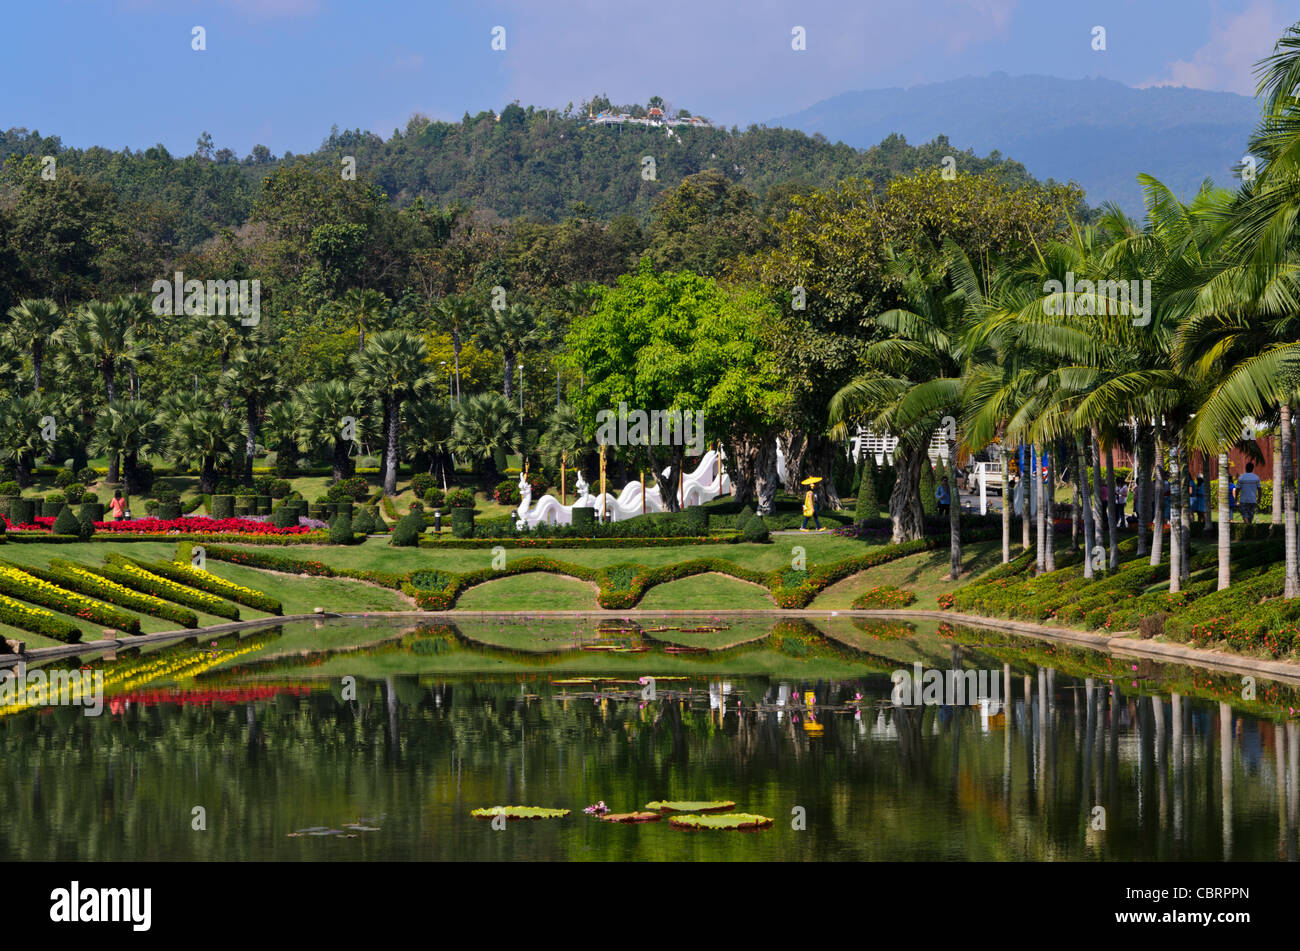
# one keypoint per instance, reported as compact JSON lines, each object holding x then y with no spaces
{"x":364,"y":522}
{"x":341,"y":530}
{"x":744,"y":516}
{"x":868,"y":501}
{"x":408,"y":531}
{"x":65,"y":523}
{"x":929,"y":504}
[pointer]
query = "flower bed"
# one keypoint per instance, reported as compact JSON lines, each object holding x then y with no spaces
{"x":197,"y":525}
{"x":140,"y":580}
{"x":75,"y":577}
{"x":16,"y":583}
{"x":205,"y":581}
{"x":38,"y":621}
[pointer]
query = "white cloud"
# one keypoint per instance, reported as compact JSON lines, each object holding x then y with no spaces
{"x":1227,"y":62}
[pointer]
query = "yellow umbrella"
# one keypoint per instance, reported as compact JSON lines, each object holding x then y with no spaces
{"x":811,"y":480}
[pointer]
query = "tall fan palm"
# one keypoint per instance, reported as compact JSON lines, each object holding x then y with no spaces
{"x":285,"y":421}
{"x":369,"y":309}
{"x":208,"y":439}
{"x":393,"y":369}
{"x":484,"y":426}
{"x":456,"y":314}
{"x":127,"y":428}
{"x":21,"y":437}
{"x":512,"y":332}
{"x":34,"y":325}
{"x":253,"y":378}
{"x":325,"y":407}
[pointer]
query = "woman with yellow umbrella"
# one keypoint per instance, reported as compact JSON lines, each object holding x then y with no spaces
{"x":810,"y":505}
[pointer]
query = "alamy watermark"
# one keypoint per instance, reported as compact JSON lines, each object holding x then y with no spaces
{"x":654,"y":428}
{"x":948,"y":688}
{"x":240,"y":298}
{"x":1100,"y":298}
{"x":53,"y":688}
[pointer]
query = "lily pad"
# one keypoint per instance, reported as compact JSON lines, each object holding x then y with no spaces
{"x":631,"y":817}
{"x":735,"y":820}
{"x":519,"y":812}
{"x":717,"y":805}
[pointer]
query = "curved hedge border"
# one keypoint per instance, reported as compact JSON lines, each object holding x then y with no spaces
{"x":75,"y":577}
{"x":548,"y":543}
{"x":306,"y":538}
{"x":619,"y":586}
{"x":17,"y":583}
{"x":183,"y":573}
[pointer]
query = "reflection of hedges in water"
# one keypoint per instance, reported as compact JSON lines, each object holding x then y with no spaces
{"x":884,"y":629}
{"x":1272,"y":700}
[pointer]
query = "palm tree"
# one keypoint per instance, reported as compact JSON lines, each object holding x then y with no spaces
{"x":254,"y":376}
{"x":206,"y":439}
{"x":511,"y":331}
{"x":20,"y":434}
{"x":455,"y":314}
{"x":913,"y":379}
{"x":393,"y":368}
{"x":109,"y":342}
{"x":285,"y":421}
{"x":325,"y":405}
{"x":369,"y":308}
{"x":563,"y":437}
{"x":34,"y":325}
{"x":428,"y":431}
{"x":484,"y":426}
{"x":127,"y":428}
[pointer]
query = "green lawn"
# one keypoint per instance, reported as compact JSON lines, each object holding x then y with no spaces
{"x":706,"y":592}
{"x":925,"y":574}
{"x":535,"y":591}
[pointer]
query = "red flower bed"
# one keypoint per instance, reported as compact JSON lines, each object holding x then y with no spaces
{"x":173,"y":526}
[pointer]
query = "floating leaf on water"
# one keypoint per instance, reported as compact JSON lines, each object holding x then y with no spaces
{"x":631,"y":817}
{"x":735,"y":820}
{"x":717,"y":805}
{"x":361,"y":828}
{"x":519,"y":812}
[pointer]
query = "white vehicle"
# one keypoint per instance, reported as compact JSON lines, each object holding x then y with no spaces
{"x":992,"y":477}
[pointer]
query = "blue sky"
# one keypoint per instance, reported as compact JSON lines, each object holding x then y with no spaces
{"x":281,"y":72}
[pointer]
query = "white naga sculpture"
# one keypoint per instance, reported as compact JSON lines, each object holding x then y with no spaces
{"x":697,"y":487}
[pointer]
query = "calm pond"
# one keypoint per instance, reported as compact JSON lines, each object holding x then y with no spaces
{"x":351,"y":739}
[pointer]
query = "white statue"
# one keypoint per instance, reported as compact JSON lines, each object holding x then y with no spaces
{"x":525,"y":501}
{"x":582,"y":488}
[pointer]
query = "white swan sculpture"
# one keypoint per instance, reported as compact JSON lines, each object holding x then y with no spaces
{"x":698,"y":487}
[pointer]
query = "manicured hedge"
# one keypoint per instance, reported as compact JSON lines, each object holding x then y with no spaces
{"x":75,"y":577}
{"x":140,"y":580}
{"x":185,"y":574}
{"x":38,"y":621}
{"x":884,"y":596}
{"x":17,"y":583}
{"x":274,"y":561}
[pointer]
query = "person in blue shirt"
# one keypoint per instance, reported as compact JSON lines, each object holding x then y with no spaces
{"x":1198,"y":500}
{"x":944,"y":495}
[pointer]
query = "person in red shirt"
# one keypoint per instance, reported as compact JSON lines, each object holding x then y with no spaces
{"x":118,"y":506}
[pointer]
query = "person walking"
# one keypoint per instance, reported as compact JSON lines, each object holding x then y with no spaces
{"x":118,"y":506}
{"x":810,"y":511}
{"x":1198,"y":501}
{"x":1248,"y":493}
{"x":944,"y":495}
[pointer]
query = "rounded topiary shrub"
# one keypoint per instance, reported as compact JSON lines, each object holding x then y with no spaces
{"x":284,"y":517}
{"x":87,"y":497}
{"x":408,"y":530}
{"x":10,"y":488}
{"x":223,"y":506}
{"x":53,"y":504}
{"x":584,"y":519}
{"x":341,"y":530}
{"x":422,"y":482}
{"x":64,"y":477}
{"x":506,"y":492}
{"x":74,"y":492}
{"x":87,"y":476}
{"x":460,"y":499}
{"x":462,"y":523}
{"x":65,"y":523}
{"x":363,"y":522}
{"x":169,"y":510}
{"x":755,"y":530}
{"x":22,"y":512}
{"x":434,"y":498}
